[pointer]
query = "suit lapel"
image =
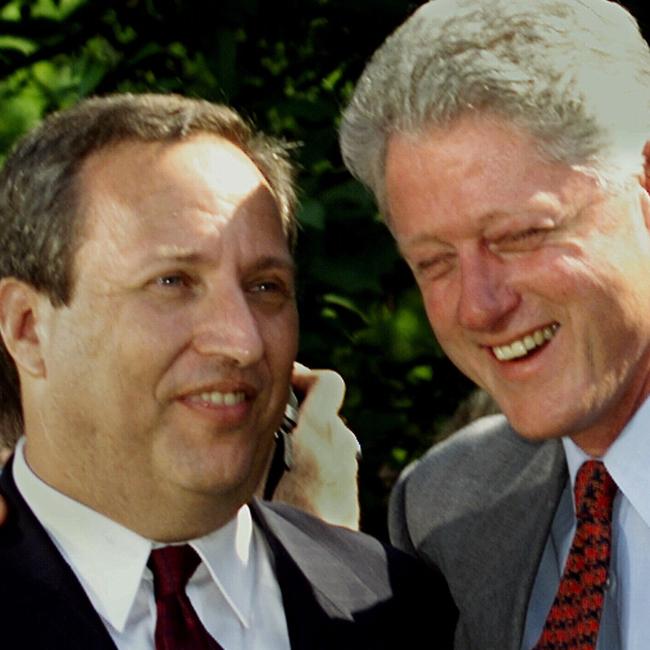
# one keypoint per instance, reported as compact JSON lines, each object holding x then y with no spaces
{"x":320,"y":593}
{"x":532,"y":502}
{"x":43,"y":579}
{"x":510,"y":534}
{"x":480,"y":507}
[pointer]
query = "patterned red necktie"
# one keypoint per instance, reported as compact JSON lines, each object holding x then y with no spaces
{"x":177,"y":625}
{"x":574,"y":619}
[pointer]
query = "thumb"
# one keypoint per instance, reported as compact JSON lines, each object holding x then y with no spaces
{"x":324,"y":389}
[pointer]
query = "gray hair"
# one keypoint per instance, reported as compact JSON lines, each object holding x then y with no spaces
{"x":575,"y":74}
{"x":39,"y":194}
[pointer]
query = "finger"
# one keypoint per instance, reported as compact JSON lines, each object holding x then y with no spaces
{"x":345,"y":441}
{"x":303,"y":377}
{"x":324,"y":389}
{"x":3,"y":510}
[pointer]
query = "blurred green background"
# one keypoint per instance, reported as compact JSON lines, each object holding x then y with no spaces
{"x":290,"y":66}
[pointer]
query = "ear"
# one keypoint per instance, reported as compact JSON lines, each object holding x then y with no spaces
{"x":18,"y":325}
{"x":645,"y":177}
{"x":645,"y":183}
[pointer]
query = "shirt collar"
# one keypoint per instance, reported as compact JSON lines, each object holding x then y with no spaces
{"x":575,"y":457}
{"x":110,"y":560}
{"x":230,"y":553}
{"x":627,"y":460}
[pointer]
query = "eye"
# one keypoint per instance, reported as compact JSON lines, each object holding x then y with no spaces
{"x":271,"y":286}
{"x":432,"y":268}
{"x":527,"y":234}
{"x":172,"y":281}
{"x":266,"y":287}
{"x":274,"y":291}
{"x":523,"y":240}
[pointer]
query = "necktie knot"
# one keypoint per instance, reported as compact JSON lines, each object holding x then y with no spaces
{"x":594,"y":492}
{"x":172,"y":567}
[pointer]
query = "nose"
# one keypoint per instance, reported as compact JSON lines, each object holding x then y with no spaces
{"x":226,"y":327}
{"x":486,"y":297}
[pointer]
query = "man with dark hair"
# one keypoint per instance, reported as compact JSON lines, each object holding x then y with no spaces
{"x":506,"y":143}
{"x":149,"y":330}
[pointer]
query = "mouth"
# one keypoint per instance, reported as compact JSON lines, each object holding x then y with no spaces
{"x":219,"y":394}
{"x":226,"y":407}
{"x":526,"y":345}
{"x":217,"y":398}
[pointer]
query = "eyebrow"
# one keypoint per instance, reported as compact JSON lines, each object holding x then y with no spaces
{"x":173,"y":253}
{"x":274,"y":262}
{"x":489,"y":218}
{"x":417,"y":240}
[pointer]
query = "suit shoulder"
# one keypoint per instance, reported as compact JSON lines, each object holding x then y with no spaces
{"x":381,"y":566}
{"x":489,"y":442}
{"x":349,"y":541}
{"x":389,"y":587}
{"x":473,"y":471}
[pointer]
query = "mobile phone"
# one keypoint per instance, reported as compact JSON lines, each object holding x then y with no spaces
{"x":282,"y":460}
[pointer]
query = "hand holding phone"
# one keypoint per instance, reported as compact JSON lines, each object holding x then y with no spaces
{"x":320,"y":451}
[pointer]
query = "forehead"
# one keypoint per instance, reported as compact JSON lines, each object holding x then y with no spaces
{"x":476,"y":168}
{"x":471,"y":146}
{"x":134,"y":170}
{"x":154,"y":186}
{"x":199,"y":202}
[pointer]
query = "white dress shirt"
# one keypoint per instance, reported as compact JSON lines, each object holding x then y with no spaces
{"x":234,"y":590}
{"x":624,"y":623}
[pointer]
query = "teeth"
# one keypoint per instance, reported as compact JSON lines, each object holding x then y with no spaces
{"x":222,"y":399}
{"x":521,"y":347}
{"x":529,"y":342}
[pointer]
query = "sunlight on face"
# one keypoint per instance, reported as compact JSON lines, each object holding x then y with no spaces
{"x":169,"y":370}
{"x":533,"y":276}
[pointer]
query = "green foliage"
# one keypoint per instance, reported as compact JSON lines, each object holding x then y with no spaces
{"x":290,"y":65}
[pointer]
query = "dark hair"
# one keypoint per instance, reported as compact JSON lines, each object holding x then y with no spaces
{"x":39,"y":223}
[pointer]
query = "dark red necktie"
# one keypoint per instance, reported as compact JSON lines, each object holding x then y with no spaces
{"x":574,"y":619}
{"x":177,"y":625}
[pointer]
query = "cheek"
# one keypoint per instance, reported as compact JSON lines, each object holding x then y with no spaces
{"x":281,"y":339}
{"x":450,"y":336}
{"x":76,"y":345}
{"x":152,"y":352}
{"x":280,"y":336}
{"x":140,"y":348}
{"x":557,"y":275}
{"x":440,"y":308}
{"x":580,"y":280}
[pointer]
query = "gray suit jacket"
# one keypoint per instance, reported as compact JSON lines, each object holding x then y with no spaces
{"x":480,"y":506}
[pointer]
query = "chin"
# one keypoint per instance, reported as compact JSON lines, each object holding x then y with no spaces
{"x":536,"y":426}
{"x":206,"y":475}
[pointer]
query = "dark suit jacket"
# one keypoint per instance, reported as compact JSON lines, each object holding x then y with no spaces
{"x":480,"y":506}
{"x":340,"y":589}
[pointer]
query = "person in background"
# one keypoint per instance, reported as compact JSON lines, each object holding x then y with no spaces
{"x":506,"y":143}
{"x":149,"y":331}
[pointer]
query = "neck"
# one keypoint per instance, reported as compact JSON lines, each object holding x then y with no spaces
{"x":596,"y":439}
{"x":150,"y":510}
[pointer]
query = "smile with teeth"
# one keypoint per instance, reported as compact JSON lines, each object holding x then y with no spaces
{"x":523,"y":346}
{"x":218,"y":398}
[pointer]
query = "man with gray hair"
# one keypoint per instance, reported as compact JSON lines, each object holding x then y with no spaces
{"x":506,"y":144}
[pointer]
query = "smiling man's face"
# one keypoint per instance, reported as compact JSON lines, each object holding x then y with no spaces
{"x":168,"y":371}
{"x":533,"y":275}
